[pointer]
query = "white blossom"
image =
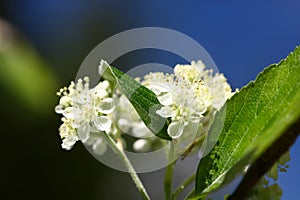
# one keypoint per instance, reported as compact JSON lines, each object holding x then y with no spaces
{"x":219,"y":88}
{"x":84,"y":110}
{"x":189,"y":98}
{"x":188,"y":95}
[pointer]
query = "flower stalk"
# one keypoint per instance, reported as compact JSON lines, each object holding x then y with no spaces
{"x":169,"y":173}
{"x":120,"y":153}
{"x":184,"y":185}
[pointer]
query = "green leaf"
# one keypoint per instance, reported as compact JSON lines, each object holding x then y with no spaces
{"x":143,"y":100}
{"x":252,"y":124}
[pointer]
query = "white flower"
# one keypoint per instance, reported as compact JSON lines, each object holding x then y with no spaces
{"x":68,"y":133}
{"x":180,"y":100}
{"x":190,"y":72}
{"x":188,"y":95}
{"x":219,"y":88}
{"x":84,"y":110}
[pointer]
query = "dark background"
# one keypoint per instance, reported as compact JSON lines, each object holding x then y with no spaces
{"x":51,"y":38}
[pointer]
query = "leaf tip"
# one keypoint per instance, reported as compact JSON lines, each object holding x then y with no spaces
{"x":102,"y":67}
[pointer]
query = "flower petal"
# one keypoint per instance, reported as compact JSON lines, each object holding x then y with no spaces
{"x":59,"y":109}
{"x":165,"y":112}
{"x":65,"y":101}
{"x":105,"y":84}
{"x":106,"y":106}
{"x":69,"y":142}
{"x":69,"y":112}
{"x":165,"y":99}
{"x":175,"y":129}
{"x":103,"y":123}
{"x":99,"y":92}
{"x":84,"y":131}
{"x":158,"y":88}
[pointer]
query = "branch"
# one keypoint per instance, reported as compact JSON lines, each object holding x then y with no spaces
{"x":263,"y":164}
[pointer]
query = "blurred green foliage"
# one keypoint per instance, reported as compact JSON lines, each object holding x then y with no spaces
{"x":24,"y":76}
{"x":35,"y":166}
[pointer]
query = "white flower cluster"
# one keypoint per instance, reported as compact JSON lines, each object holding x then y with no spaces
{"x":188,"y":95}
{"x":85,"y":111}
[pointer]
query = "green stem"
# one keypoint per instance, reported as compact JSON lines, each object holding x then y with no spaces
{"x":120,"y":153}
{"x":186,"y":183}
{"x":169,"y":173}
{"x":190,"y":195}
